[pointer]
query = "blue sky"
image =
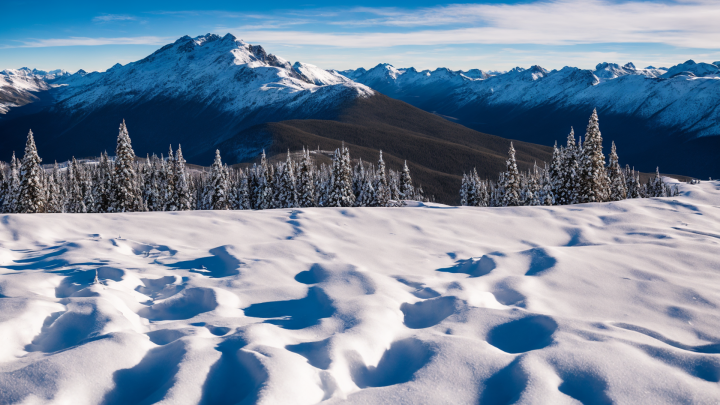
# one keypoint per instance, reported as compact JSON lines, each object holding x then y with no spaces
{"x":493,"y":35}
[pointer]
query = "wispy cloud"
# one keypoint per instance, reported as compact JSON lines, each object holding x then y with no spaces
{"x":113,"y":17}
{"x":84,"y":41}
{"x":686,"y":23}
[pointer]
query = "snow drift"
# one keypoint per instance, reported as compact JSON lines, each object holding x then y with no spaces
{"x":595,"y":303}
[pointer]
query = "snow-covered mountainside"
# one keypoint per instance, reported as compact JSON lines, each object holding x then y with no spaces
{"x":196,"y":91}
{"x":18,"y":85}
{"x":221,"y":72}
{"x":648,"y":112}
{"x":428,"y":304}
{"x":683,"y":97}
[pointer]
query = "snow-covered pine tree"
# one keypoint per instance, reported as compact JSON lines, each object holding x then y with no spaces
{"x":243,"y":192}
{"x":381,"y":186}
{"x":152,"y":184}
{"x":126,"y":195}
{"x":632,"y":183}
{"x":618,"y":189}
{"x":218,"y":187}
{"x":3,"y":186}
{"x":368,"y":195}
{"x":656,"y":187}
{"x":32,"y":192}
{"x":13,"y":185}
{"x":511,"y":181}
{"x":323,"y":183}
{"x":548,"y":195}
{"x":407,"y":191}
{"x":394,"y":186}
{"x":287,"y":193}
{"x":75,"y":202}
{"x":102,"y":184}
{"x":557,"y":177}
{"x":594,"y":184}
{"x":55,"y":195}
{"x":86,"y":187}
{"x":180,"y":200}
{"x":358,"y":180}
{"x":464,"y":189}
{"x":340,"y":192}
{"x":168,"y":186}
{"x":306,"y":182}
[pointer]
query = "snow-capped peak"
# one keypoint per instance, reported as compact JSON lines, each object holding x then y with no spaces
{"x":208,"y":69}
{"x":695,"y":69}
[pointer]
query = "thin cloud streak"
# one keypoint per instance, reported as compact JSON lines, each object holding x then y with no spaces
{"x":113,"y":17}
{"x":84,"y":41}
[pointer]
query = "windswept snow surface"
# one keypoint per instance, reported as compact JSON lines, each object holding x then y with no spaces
{"x":428,"y":304}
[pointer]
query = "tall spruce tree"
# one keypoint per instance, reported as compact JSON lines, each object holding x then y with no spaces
{"x":568,"y":192}
{"x":381,"y":185}
{"x":75,"y":202}
{"x":594,"y":185}
{"x":218,"y":185}
{"x":126,"y":195}
{"x":180,"y":199}
{"x":618,"y":189}
{"x":306,"y":182}
{"x":32,"y":193}
{"x":407,"y":191}
{"x":511,"y":181}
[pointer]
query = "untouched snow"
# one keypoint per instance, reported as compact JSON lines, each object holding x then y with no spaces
{"x":427,"y":304}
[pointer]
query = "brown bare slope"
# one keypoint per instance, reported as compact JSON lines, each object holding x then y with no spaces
{"x":437,"y":151}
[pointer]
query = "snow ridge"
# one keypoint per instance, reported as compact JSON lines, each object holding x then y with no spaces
{"x":682,"y":97}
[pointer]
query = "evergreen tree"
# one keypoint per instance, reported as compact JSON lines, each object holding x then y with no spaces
{"x":287,"y":193}
{"x":4,"y":186}
{"x":180,"y":200}
{"x":511,"y":181}
{"x":368,"y":195}
{"x":407,"y":191}
{"x":32,"y":192}
{"x":243,"y":193}
{"x":55,"y":195}
{"x":306,"y":182}
{"x":557,"y":176}
{"x":218,"y":185}
{"x":152,"y":188}
{"x":618,"y":189}
{"x":340,"y":193}
{"x":593,"y":176}
{"x":568,"y":191}
{"x":75,"y":202}
{"x":102,"y":184}
{"x":126,"y":195}
{"x":394,"y":186}
{"x":381,"y":185}
{"x":169,"y":182}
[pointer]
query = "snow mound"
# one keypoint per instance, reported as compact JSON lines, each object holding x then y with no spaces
{"x":591,"y":303}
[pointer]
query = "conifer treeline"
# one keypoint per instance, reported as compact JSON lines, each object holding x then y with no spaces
{"x":123,"y":184}
{"x":577,"y":174}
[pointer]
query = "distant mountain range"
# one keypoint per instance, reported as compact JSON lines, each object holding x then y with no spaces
{"x":657,"y":116}
{"x":219,"y":92}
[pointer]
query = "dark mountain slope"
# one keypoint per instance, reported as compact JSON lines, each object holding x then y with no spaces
{"x":437,"y":150}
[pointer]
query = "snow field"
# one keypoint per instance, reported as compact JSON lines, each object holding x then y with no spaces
{"x":592,"y":303}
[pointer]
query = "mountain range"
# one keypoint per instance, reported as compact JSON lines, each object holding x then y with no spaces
{"x":657,"y":116}
{"x":213,"y":92}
